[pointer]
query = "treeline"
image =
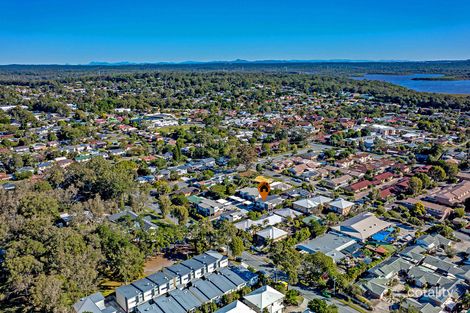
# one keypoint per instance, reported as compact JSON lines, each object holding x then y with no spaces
{"x":209,"y":90}
{"x":44,"y":72}
{"x":45,"y":267}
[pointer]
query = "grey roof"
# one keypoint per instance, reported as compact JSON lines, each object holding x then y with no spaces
{"x":169,"y":305}
{"x":340,"y":203}
{"x":193,"y":264}
{"x":96,"y":297}
{"x":426,"y":276}
{"x":128,"y":291}
{"x":413,"y":252}
{"x":207,"y":288}
{"x":186,"y":299}
{"x":235,"y":307}
{"x":144,"y":284}
{"x":86,"y":306}
{"x":117,"y":216}
{"x":362,"y":226}
{"x":222,"y":283}
{"x":205,"y":259}
{"x":233,"y":277}
{"x":252,"y":191}
{"x":376,"y":286}
{"x":148,"y":308}
{"x":133,"y":216}
{"x":109,"y":309}
{"x":198,"y":294}
{"x":442,"y":265}
{"x":391,"y":266}
{"x":215,"y":255}
{"x":161,"y":278}
{"x":434,"y":240}
{"x":422,"y":307}
{"x":330,"y":244}
{"x":179,"y":269}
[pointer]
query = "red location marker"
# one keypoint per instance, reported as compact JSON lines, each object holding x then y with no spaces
{"x":264,"y":189}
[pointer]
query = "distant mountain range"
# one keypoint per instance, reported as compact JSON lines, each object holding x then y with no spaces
{"x":241,"y":61}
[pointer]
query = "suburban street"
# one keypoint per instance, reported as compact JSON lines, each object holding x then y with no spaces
{"x":259,"y":264}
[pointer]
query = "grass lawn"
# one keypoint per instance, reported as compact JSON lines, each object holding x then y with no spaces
{"x":107,"y":287}
{"x":390,"y":248}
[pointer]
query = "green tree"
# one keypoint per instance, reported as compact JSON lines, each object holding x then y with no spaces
{"x":415,"y":185}
{"x":459,"y":212}
{"x":181,"y":213}
{"x":165,"y":205}
{"x":321,"y":306}
{"x":161,"y":187}
{"x":438,"y":173}
{"x":317,"y":266}
{"x":419,"y":209}
{"x":236,"y":246}
{"x":316,"y":228}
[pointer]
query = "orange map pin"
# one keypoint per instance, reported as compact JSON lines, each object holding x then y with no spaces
{"x":264,"y":189}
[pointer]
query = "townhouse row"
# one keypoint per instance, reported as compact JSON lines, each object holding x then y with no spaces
{"x":174,"y":277}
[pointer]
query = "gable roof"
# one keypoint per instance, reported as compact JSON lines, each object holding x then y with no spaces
{"x":86,"y":305}
{"x":235,"y":307}
{"x":340,"y":203}
{"x":263,"y":297}
{"x":271,"y":232}
{"x":392,"y":266}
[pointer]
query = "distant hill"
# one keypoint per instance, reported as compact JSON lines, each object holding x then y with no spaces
{"x":450,"y":69}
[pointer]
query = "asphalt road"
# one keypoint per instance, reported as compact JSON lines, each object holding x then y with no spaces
{"x":259,"y":264}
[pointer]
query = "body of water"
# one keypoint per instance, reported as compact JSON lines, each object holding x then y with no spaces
{"x":438,"y":86}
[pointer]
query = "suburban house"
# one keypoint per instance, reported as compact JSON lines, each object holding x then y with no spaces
{"x":93,"y":304}
{"x":359,"y":186}
{"x":235,"y":307}
{"x":376,"y":287}
{"x":361,"y":226}
{"x":340,"y":206}
{"x":265,"y":299}
{"x":307,"y":205}
{"x":128,"y":214}
{"x":338,"y":182}
{"x":438,"y":211}
{"x":431,"y":242}
{"x":208,"y":207}
{"x":210,"y":263}
{"x":249,"y":193}
{"x":390,"y":268}
{"x":454,"y":195}
{"x":271,"y":202}
{"x":330,"y":244}
{"x":270,"y":234}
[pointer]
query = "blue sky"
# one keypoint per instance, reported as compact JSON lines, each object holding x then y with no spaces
{"x":80,"y":31}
